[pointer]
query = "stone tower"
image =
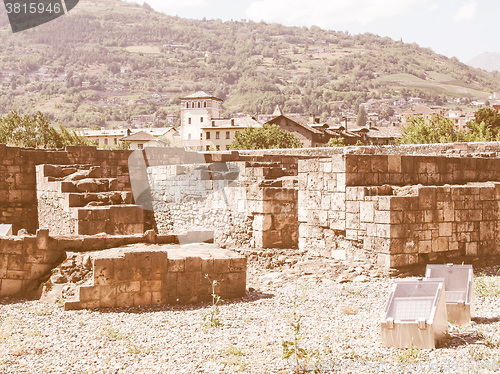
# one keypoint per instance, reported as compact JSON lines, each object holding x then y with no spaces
{"x":197,"y":110}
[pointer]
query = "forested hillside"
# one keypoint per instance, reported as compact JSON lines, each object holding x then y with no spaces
{"x":109,"y":60}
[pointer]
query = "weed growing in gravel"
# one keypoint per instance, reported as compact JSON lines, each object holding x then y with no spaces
{"x":44,"y":309}
{"x":60,"y":302}
{"x":408,"y":355}
{"x":112,"y":334}
{"x":234,"y":357}
{"x":303,"y":360}
{"x":485,"y":287}
{"x":211,"y":317}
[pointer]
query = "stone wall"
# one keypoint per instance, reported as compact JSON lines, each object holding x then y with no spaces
{"x":76,"y":200}
{"x":18,"y":202}
{"x":151,"y":275}
{"x":26,"y":261}
{"x":363,"y":198}
{"x":244,"y":203}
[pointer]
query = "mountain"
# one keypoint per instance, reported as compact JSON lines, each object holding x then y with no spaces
{"x":109,"y":60}
{"x":488,"y":61}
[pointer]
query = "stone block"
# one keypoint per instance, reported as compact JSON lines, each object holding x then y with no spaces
{"x":107,"y":296}
{"x":425,"y":246}
{"x":176,"y":265}
{"x":124,"y":299}
{"x":394,"y":164}
{"x":142,"y":298}
{"x":445,"y":229}
{"x":151,"y":286}
{"x":235,"y":284}
{"x":193,"y":264}
{"x":103,"y":271}
{"x":16,"y":262}
{"x":221,"y":265}
{"x":238,"y":265}
{"x":9,"y":287}
{"x":262,"y":222}
{"x":42,"y":239}
{"x":89,"y":293}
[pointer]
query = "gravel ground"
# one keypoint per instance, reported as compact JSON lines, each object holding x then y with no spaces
{"x":339,"y":329}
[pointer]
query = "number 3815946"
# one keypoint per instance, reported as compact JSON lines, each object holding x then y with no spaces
{"x":33,"y":8}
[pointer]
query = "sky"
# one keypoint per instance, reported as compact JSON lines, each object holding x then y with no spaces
{"x":454,"y":28}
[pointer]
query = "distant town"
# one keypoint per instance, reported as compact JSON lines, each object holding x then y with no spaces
{"x":200,"y":126}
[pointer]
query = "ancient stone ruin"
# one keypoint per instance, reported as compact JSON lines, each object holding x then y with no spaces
{"x":389,"y":206}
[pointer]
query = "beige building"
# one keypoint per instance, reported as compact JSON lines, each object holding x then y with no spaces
{"x":111,"y":138}
{"x":197,"y":110}
{"x":220,"y":133}
{"x":142,"y":139}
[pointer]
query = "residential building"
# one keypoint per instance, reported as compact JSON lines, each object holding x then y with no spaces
{"x":220,"y":133}
{"x":112,"y":137}
{"x":142,"y":139}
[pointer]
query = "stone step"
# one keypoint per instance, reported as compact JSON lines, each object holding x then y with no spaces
{"x":75,"y":200}
{"x":90,"y":185}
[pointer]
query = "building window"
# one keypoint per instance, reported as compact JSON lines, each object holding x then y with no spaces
{"x":217,"y":135}
{"x":208,"y":135}
{"x":201,"y":136}
{"x":106,"y":141}
{"x":236,"y":133}
{"x":201,"y":119}
{"x":207,"y":148}
{"x":116,"y":141}
{"x":228,"y":135}
{"x":199,"y":105}
{"x":189,"y":136}
{"x":140,"y":146}
{"x":227,"y":147}
{"x":189,"y":121}
{"x":217,"y":147}
{"x":204,"y":104}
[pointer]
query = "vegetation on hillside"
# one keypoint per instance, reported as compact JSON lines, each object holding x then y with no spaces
{"x":110,"y":60}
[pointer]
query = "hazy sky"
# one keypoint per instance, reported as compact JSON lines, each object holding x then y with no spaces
{"x":461,"y":28}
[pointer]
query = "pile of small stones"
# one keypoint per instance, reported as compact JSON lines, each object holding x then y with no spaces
{"x":339,"y":308}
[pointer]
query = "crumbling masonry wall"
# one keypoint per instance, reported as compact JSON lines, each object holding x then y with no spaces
{"x":24,"y":261}
{"x":362,"y":198}
{"x":245,"y":203}
{"x":18,"y":200}
{"x":153,"y":276}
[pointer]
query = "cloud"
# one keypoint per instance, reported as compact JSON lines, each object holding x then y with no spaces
{"x":466,"y":12}
{"x":328,"y":13}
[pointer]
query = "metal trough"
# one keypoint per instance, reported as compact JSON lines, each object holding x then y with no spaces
{"x":459,"y":285}
{"x":415,"y":314}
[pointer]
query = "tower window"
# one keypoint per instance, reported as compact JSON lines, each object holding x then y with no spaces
{"x":201,"y":119}
{"x":189,"y":121}
{"x":204,"y":104}
{"x":199,"y":105}
{"x":189,"y":136}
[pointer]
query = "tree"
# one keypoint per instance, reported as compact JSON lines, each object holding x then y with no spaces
{"x":36,"y":131}
{"x":362,"y":116}
{"x":335,"y":142}
{"x":491,"y":119}
{"x":421,"y":130}
{"x":266,"y":137}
